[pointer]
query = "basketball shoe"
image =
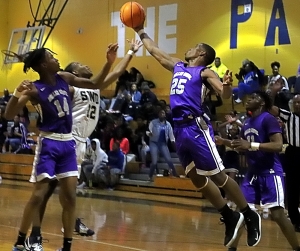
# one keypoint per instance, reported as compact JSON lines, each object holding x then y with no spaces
{"x":34,"y":243}
{"x":18,"y":248}
{"x":82,"y":229}
{"x":232,"y":226}
{"x":253,"y":225}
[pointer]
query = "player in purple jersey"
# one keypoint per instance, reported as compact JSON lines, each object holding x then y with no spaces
{"x":261,"y":138}
{"x":194,"y":134}
{"x":55,"y":153}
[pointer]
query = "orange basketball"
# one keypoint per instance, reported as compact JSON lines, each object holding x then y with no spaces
{"x":132,"y":14}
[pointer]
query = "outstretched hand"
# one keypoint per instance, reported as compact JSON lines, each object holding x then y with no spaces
{"x":227,"y":79}
{"x":230,"y":119}
{"x":240,"y":144}
{"x":111,"y":53}
{"x":135,"y":44}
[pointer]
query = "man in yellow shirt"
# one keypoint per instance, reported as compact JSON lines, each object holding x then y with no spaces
{"x":219,"y":68}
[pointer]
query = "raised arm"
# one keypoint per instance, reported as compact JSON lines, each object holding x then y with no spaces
{"x":122,"y":65}
{"x":98,"y":81}
{"x":223,"y":89}
{"x":22,"y":94}
{"x":162,"y":57}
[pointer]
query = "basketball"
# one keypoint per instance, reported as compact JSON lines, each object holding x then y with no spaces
{"x":132,"y":14}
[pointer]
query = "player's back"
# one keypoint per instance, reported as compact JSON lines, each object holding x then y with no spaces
{"x":187,"y":91}
{"x":258,"y":129}
{"x":85,"y":110}
{"x":54,"y":106}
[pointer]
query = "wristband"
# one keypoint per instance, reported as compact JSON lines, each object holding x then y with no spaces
{"x":130,"y":52}
{"x":140,"y":32}
{"x":17,"y":94}
{"x":254,"y":146}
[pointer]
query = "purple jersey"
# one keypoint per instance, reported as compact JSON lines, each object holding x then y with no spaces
{"x":258,"y":129}
{"x":54,"y":106}
{"x":187,"y":91}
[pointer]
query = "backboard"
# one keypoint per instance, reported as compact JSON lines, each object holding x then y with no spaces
{"x":23,"y":40}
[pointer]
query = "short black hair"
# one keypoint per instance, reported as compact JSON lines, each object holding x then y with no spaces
{"x":275,"y":64}
{"x":70,"y":67}
{"x":210,"y":53}
{"x":32,"y":59}
{"x":218,"y":58}
{"x":265,"y":96}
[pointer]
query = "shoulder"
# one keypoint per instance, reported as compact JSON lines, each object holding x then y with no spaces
{"x":66,"y":76}
{"x":208,"y":73}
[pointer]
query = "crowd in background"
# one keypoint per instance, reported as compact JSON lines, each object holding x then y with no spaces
{"x":135,"y":123}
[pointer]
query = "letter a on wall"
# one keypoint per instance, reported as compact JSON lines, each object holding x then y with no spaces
{"x":280,"y":22}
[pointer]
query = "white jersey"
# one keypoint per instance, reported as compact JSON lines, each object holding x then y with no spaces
{"x":85,"y":111}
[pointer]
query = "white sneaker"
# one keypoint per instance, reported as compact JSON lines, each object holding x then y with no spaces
{"x":81,"y":186}
{"x":238,"y":101}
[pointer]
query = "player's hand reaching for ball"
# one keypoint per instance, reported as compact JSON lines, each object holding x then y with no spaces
{"x":135,"y":44}
{"x":111,"y":53}
{"x":26,"y":85}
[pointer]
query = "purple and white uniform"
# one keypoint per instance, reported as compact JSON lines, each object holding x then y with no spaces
{"x":263,"y":184}
{"x":55,"y":153}
{"x":192,"y":129}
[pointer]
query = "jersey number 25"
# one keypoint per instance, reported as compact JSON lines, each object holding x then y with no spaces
{"x":177,"y":86}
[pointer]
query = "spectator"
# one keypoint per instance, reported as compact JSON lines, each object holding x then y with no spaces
{"x":231,"y":119}
{"x":3,"y":130}
{"x":219,"y":68}
{"x":135,"y":77}
{"x":119,"y":137}
{"x":279,"y":94}
{"x":24,"y":117}
{"x":250,"y":78}
{"x":160,"y":131}
{"x":211,"y":106}
{"x":93,"y":172}
{"x":148,"y":96}
{"x":115,"y":166}
{"x":142,"y":140}
{"x":4,"y":100}
{"x":135,"y":94}
{"x":18,"y":131}
{"x":276,"y":75}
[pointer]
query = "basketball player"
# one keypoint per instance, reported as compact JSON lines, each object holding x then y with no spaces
{"x":55,"y":152}
{"x":261,"y":138}
{"x":194,"y":134}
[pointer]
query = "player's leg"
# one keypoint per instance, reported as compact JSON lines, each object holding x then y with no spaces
{"x":285,"y":225}
{"x":209,"y":163}
{"x":67,"y":174}
{"x":189,"y":148}
{"x":272,"y":189}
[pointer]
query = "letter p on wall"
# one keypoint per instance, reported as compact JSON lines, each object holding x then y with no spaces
{"x":237,"y":18}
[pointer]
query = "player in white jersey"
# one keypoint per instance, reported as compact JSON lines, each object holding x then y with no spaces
{"x":85,"y":107}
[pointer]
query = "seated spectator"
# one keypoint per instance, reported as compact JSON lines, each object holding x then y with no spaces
{"x":135,"y":77}
{"x":135,"y":94}
{"x":24,"y":117}
{"x":4,"y":100}
{"x":142,"y":140}
{"x":279,"y":94}
{"x":114,"y":167}
{"x":219,"y":68}
{"x":147,"y":96}
{"x":119,"y":137}
{"x":93,"y":171}
{"x":169,"y":116}
{"x":276,"y":75}
{"x":3,"y":131}
{"x":210,"y":106}
{"x":17,"y":134}
{"x":160,"y":131}
{"x":250,"y":79}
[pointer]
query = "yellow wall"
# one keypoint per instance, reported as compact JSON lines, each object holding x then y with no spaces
{"x":194,"y":20}
{"x":3,"y":36}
